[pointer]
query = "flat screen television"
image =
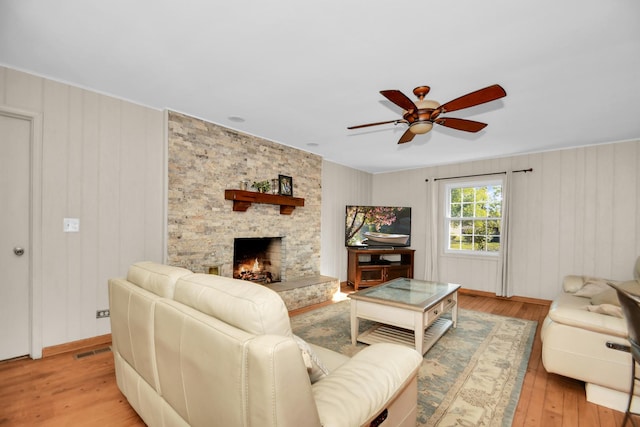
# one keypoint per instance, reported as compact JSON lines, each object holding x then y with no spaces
{"x":377,"y":226}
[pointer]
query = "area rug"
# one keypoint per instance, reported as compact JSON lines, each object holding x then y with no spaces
{"x":472,"y":376}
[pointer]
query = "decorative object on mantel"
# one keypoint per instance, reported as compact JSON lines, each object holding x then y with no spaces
{"x":286,"y":185}
{"x":275,"y":187}
{"x":243,"y":199}
{"x":261,"y":186}
{"x":244,"y":185}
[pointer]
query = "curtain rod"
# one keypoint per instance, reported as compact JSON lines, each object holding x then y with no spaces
{"x":481,"y":174}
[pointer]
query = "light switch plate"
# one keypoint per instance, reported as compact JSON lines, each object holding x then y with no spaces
{"x":71,"y":225}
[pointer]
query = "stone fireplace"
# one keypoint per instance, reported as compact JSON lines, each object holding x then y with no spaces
{"x":258,"y":259}
{"x":204,"y":160}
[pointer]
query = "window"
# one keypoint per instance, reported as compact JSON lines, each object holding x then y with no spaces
{"x":473,"y":217}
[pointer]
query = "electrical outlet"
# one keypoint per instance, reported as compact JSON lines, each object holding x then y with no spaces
{"x":102,"y":313}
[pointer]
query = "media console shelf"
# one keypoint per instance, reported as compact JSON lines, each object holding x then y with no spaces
{"x":371,"y":267}
{"x":243,"y":199}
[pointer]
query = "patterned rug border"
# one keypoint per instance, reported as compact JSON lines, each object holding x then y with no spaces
{"x":452,"y":384}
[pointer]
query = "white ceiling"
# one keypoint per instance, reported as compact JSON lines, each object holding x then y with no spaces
{"x":300,"y":72}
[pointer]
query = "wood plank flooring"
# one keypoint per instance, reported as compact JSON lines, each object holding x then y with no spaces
{"x":62,"y":390}
{"x":546,"y":399}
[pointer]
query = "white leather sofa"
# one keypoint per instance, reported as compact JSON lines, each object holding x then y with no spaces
{"x":582,"y":335}
{"x":205,"y":350}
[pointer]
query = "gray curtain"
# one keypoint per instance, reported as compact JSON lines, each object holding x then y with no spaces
{"x":432,"y":244}
{"x":505,"y":287}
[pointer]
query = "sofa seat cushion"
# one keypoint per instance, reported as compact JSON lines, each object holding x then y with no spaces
{"x":608,"y":309}
{"x":571,"y":310}
{"x":248,"y":306}
{"x":159,"y":279}
{"x":330,"y":359}
{"x":315,"y":367}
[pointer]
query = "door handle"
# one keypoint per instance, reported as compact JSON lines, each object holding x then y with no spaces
{"x":18,"y":251}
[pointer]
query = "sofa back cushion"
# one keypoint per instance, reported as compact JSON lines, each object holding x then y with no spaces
{"x":132,"y":306}
{"x":610,"y":295}
{"x":159,"y":279}
{"x":212,"y":373}
{"x":200,"y":365}
{"x":251,"y":307}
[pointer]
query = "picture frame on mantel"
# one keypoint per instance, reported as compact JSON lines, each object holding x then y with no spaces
{"x":285,"y":183}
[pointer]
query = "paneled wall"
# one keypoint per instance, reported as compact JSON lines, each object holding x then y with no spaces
{"x":577,"y":213}
{"x":341,"y":186}
{"x":102,"y":162}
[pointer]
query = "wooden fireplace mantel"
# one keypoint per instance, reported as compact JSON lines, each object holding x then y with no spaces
{"x":243,"y":199}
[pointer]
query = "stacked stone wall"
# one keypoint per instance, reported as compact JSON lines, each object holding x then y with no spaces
{"x":204,"y":159}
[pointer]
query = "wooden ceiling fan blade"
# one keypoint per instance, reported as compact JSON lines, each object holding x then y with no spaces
{"x":406,"y":136}
{"x":461,"y":124}
{"x":400,"y":99}
{"x":374,"y":124}
{"x":488,"y":94}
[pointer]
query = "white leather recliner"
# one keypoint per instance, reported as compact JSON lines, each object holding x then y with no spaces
{"x":205,"y":350}
{"x":584,"y":336}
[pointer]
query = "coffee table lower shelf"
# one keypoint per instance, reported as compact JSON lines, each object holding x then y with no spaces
{"x":393,"y":334}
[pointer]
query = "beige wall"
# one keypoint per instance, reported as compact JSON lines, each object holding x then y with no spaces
{"x":341,"y":186}
{"x":577,"y":213}
{"x":204,"y":160}
{"x":102,"y":161}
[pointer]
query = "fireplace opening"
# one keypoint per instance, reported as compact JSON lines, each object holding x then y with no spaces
{"x":257,"y":259}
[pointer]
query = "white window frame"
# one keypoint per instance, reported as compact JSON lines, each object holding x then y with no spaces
{"x":448,"y":218}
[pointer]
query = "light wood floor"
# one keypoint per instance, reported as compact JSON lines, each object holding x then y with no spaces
{"x":546,"y":399}
{"x":63,"y":390}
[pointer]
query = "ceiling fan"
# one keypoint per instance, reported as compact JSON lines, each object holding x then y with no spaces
{"x":421,"y":115}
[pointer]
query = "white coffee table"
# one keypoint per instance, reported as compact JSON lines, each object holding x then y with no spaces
{"x":408,"y":311}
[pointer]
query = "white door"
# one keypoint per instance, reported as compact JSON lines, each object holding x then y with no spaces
{"x":15,"y":327}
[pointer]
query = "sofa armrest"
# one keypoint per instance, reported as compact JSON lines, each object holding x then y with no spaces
{"x":363,"y":386}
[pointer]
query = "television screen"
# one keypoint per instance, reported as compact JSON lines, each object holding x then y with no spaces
{"x":377,"y":226}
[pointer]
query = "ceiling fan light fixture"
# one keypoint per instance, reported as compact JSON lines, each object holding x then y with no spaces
{"x":420,"y":128}
{"x":422,"y":114}
{"x":427,"y":104}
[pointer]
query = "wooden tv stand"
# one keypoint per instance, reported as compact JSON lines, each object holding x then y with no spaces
{"x":371,"y":267}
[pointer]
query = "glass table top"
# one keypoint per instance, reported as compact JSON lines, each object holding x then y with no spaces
{"x":419,"y":294}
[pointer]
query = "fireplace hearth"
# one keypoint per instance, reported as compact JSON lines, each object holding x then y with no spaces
{"x":258,"y":259}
